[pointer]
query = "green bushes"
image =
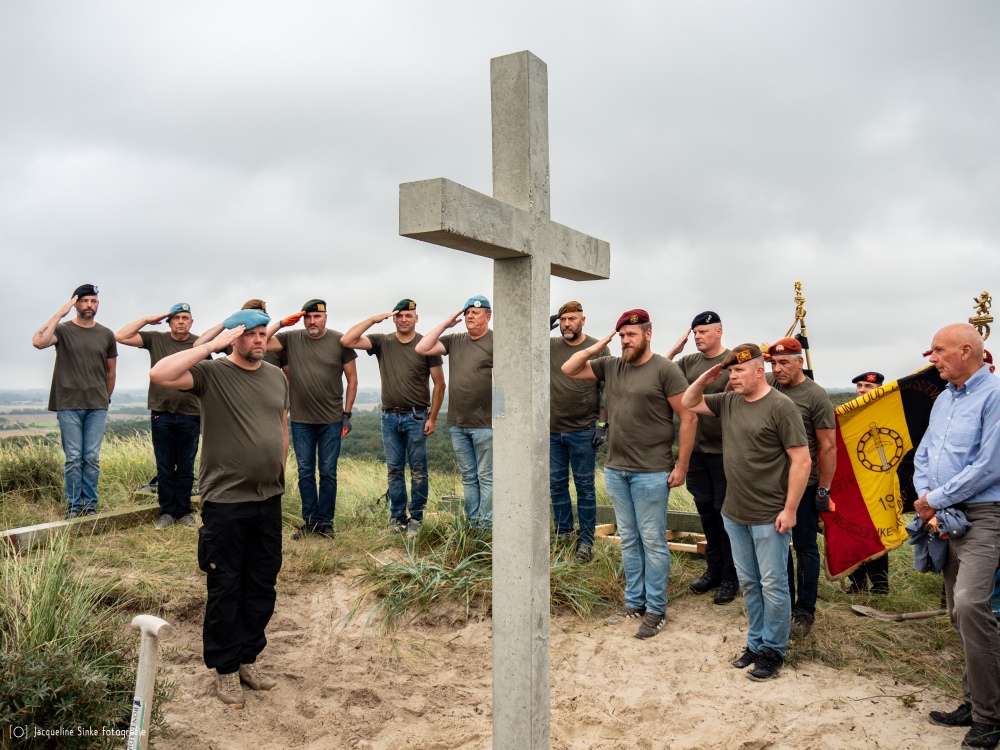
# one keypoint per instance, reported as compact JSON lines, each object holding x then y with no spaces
{"x":66,"y":660}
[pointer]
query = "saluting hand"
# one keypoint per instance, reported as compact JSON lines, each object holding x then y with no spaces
{"x":64,"y":310}
{"x":600,"y":345}
{"x":711,"y":374}
{"x":225,"y":338}
{"x":154,"y":320}
{"x":679,"y":346}
{"x":292,"y":319}
{"x":382,"y":316}
{"x":456,"y":318}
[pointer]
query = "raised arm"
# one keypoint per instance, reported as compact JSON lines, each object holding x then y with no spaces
{"x":274,"y":344}
{"x":689,"y":426}
{"x":46,"y":335}
{"x":208,"y":335}
{"x":175,"y":371}
{"x":429,"y":345}
{"x":129,"y":335}
{"x":694,"y":397}
{"x":679,"y":346}
{"x":578,"y":366}
{"x":355,"y":338}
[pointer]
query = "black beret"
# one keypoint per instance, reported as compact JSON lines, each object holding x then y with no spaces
{"x":870,"y":377}
{"x":705,"y":319}
{"x":314,"y":305}
{"x":85,"y":290}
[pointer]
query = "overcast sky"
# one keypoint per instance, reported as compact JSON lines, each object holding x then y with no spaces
{"x":212,"y":152}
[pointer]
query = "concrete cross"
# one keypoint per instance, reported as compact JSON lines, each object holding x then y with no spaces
{"x":513,"y":228}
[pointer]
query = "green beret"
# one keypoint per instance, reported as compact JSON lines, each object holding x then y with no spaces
{"x":405,"y":304}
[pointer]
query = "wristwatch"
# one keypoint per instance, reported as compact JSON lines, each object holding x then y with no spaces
{"x":347,"y":414}
{"x":823,"y":492}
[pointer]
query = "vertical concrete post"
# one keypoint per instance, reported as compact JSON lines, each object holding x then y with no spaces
{"x":521,"y":427}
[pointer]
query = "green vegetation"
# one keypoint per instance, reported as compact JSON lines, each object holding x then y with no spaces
{"x":448,"y":568}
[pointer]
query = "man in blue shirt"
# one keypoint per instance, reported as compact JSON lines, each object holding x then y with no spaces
{"x":957,"y":465}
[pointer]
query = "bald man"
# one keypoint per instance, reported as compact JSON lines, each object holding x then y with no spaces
{"x":957,"y":465}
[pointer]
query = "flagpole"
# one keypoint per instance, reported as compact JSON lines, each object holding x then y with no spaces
{"x":800,"y":321}
{"x":982,"y":319}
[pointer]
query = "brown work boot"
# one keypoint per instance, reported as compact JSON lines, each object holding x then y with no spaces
{"x":229,"y":690}
{"x":255,"y":680}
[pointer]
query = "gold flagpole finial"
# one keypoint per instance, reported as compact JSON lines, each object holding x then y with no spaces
{"x":982,"y":319}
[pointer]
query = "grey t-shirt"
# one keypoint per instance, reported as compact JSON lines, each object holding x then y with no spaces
{"x":574,"y":404}
{"x":817,"y":413}
{"x":80,"y":375}
{"x":242,"y":428}
{"x":709,"y":436}
{"x":405,"y":374}
{"x":316,"y":374}
{"x":470,"y":379}
{"x":161,"y":344}
{"x":640,"y":419}
{"x":755,"y":438}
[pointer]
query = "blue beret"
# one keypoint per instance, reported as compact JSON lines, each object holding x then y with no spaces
{"x":248,"y":318}
{"x":179,"y":308}
{"x":477,"y":301}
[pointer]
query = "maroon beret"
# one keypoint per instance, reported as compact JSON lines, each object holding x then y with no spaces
{"x":784,"y":346}
{"x":632,"y":318}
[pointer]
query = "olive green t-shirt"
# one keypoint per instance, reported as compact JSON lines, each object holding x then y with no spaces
{"x":755,"y":438}
{"x":80,"y":375}
{"x":405,"y":374}
{"x":640,"y":419}
{"x":242,"y":431}
{"x":316,"y":375}
{"x":574,"y":405}
{"x":161,"y":344}
{"x":470,"y":379}
{"x":709,"y":436}
{"x":817,"y":413}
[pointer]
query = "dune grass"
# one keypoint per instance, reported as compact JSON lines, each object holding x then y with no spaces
{"x":398,"y":580}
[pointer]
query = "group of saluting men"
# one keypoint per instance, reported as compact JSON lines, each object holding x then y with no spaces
{"x":757,"y":451}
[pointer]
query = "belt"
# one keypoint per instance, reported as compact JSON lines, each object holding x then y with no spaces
{"x":404,"y":409}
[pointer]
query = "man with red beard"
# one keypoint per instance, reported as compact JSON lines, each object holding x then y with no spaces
{"x":244,"y":405}
{"x":643,"y":392}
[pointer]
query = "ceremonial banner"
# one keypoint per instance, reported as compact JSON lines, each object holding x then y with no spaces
{"x":877,"y":434}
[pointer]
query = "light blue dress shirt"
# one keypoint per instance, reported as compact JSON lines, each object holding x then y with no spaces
{"x":958,"y":459}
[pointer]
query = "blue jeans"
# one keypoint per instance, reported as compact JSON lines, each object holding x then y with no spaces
{"x":81,"y":432}
{"x":640,"y":502}
{"x":310,"y":440}
{"x":576,"y":450}
{"x":175,"y":444}
{"x":761,"y":557}
{"x":405,"y":443}
{"x":474,"y":452}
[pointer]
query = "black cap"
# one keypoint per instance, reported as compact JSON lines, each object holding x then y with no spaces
{"x":705,"y":318}
{"x":870,"y":377}
{"x":314,"y":305}
{"x":85,"y":290}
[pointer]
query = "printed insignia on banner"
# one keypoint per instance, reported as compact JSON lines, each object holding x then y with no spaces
{"x":744,"y":356}
{"x":633,"y":318}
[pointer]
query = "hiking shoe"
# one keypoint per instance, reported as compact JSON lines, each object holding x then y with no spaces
{"x":254,"y":680}
{"x":705,"y":583}
{"x":324,"y":529}
{"x":89,"y":512}
{"x":650,"y":626}
{"x":229,"y":690}
{"x":395,"y":527}
{"x":71,"y":515}
{"x":584,"y":552}
{"x":746,"y":659}
{"x":164,"y":522}
{"x":188,"y":520}
{"x":802,"y":623}
{"x":304,"y":531}
{"x":767,"y":665}
{"x":960,"y":717}
{"x":982,"y":735}
{"x":625,"y":613}
{"x":413,"y":529}
{"x":726,"y":592}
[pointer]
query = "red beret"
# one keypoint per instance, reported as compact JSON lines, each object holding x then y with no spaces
{"x":987,"y":357}
{"x":632,"y":318}
{"x":784,"y":346}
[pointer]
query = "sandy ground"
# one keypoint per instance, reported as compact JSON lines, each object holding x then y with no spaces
{"x":342,"y":686}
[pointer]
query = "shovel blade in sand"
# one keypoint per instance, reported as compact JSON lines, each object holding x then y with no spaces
{"x":878,"y":615}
